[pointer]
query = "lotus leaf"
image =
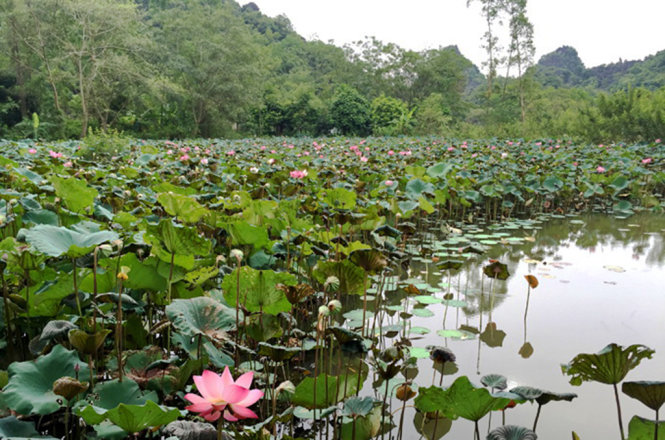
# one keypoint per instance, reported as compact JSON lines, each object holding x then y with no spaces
{"x":203,"y":316}
{"x":30,"y":387}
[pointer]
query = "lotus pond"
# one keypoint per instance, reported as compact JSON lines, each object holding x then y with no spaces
{"x":355,"y":289}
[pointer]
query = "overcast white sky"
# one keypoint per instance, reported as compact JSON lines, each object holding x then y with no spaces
{"x":602,"y":31}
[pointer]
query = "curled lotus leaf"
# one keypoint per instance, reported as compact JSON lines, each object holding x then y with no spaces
{"x":496,"y":270}
{"x":511,"y":432}
{"x":650,"y":393}
{"x":496,"y":381}
{"x":609,"y":366}
{"x":370,"y":260}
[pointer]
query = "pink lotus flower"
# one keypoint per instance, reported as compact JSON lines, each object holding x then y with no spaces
{"x":297,"y":174}
{"x":647,"y":160}
{"x":391,"y":152}
{"x":222,"y":395}
{"x":32,"y":151}
{"x":230,"y":153}
{"x":364,"y":159}
{"x":184,"y":157}
{"x":68,"y":164}
{"x":204,"y":161}
{"x":388,"y":183}
{"x":657,"y":141}
{"x":600,"y":169}
{"x":55,"y":155}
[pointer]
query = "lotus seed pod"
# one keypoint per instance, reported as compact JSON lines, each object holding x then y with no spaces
{"x":324,"y":311}
{"x":68,"y":387}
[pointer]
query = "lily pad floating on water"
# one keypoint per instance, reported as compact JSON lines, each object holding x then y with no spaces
{"x":456,"y":334}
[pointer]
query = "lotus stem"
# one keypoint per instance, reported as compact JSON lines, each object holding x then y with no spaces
{"x":383,"y":409}
{"x":5,"y":293}
{"x":616,"y":397}
{"x":168,"y":301}
{"x":76,"y":288}
{"x":655,"y":433}
{"x":220,"y":423}
{"x":476,"y":433}
{"x":535,"y":422}
{"x":118,"y":332}
{"x":237,"y":311}
{"x":364,"y":301}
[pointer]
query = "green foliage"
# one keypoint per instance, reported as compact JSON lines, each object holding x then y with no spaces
{"x":350,"y":112}
{"x":385,"y":114}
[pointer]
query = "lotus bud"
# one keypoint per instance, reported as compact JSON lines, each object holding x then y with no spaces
{"x":286,"y":386}
{"x":331,"y":284}
{"x":334,"y":306}
{"x":220,"y":259}
{"x":324,"y":311}
{"x":56,"y":200}
{"x":236,"y":254}
{"x":118,"y":244}
{"x":106,"y":248}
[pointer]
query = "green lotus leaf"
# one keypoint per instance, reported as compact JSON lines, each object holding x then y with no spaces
{"x":339,"y":387}
{"x":201,"y":316}
{"x":652,"y":394}
{"x":549,"y":396}
{"x":181,"y":206}
{"x":75,"y":193}
{"x":430,"y":427}
{"x":496,"y":270}
{"x":278,"y":353}
{"x":494,"y":381}
{"x":41,"y":217}
{"x":416,"y":187}
{"x":338,"y":198}
{"x":56,"y":329}
{"x":13,"y":429}
{"x":462,"y":399}
{"x":369,"y":259}
{"x":55,"y":241}
{"x":358,"y":406}
{"x":350,"y":276}
{"x":511,"y":432}
{"x":30,"y":387}
{"x":179,"y":240}
{"x":85,"y":342}
{"x":109,"y":395}
{"x":136,"y":418}
{"x":258,"y":289}
{"x":527,"y":393}
{"x":242,"y":233}
{"x":609,"y":366}
{"x":640,"y":428}
{"x":364,"y":428}
{"x":440,"y":170}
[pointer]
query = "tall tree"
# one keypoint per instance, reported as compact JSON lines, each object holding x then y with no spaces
{"x":521,"y":49}
{"x":491,"y":10}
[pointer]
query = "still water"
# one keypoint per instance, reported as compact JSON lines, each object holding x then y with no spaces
{"x":601,"y":280}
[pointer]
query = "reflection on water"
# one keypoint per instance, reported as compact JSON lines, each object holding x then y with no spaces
{"x":599,"y":281}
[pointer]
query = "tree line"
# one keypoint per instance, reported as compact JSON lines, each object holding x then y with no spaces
{"x":211,"y":68}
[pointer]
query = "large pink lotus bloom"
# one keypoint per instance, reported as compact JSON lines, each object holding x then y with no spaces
{"x":32,"y":151}
{"x":221,"y":395}
{"x":647,"y":160}
{"x":600,"y":169}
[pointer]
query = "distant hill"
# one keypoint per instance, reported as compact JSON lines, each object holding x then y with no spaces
{"x":564,"y":68}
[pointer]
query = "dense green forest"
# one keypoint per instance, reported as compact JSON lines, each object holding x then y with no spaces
{"x":213,"y":68}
